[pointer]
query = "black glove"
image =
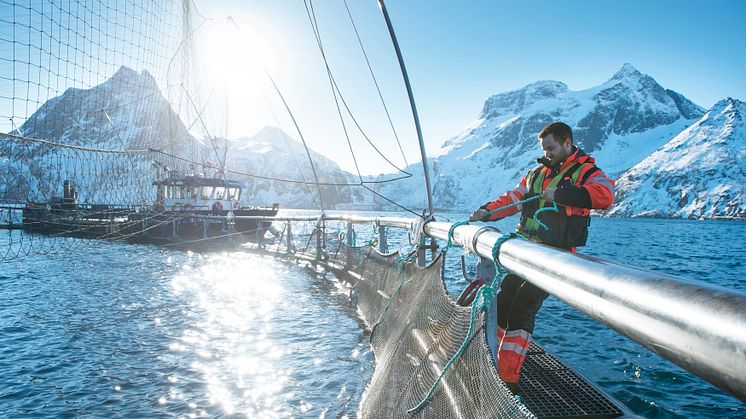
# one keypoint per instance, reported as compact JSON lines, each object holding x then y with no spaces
{"x":572,"y":196}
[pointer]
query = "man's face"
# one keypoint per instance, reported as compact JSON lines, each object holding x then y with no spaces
{"x":555,"y":152}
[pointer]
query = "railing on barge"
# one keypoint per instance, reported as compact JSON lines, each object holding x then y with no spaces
{"x":699,"y":326}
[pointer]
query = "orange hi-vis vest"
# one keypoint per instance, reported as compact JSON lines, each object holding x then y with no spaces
{"x":564,"y":230}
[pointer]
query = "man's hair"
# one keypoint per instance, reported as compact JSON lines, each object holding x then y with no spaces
{"x":559,"y":130}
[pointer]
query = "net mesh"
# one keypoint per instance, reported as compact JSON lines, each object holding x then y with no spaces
{"x":92,"y":97}
{"x":416,"y":330}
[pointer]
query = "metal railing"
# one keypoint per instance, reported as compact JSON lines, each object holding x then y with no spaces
{"x":699,"y":326}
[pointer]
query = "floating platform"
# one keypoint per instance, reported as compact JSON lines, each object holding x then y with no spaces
{"x":551,"y":389}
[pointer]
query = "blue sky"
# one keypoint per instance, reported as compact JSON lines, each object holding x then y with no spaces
{"x":460,"y":53}
{"x":457,"y":54}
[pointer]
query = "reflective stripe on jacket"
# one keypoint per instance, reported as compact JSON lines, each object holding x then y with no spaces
{"x":582,"y":187}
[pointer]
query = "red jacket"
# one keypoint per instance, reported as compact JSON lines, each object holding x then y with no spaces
{"x":593,"y":189}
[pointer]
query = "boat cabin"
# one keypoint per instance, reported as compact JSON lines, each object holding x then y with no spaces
{"x":179,"y":193}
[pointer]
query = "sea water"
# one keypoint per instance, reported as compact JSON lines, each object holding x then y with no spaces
{"x":106,"y":329}
{"x":138,"y":331}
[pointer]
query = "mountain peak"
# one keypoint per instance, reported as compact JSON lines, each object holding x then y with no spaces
{"x":727,"y":108}
{"x":272,"y":135}
{"x":728,"y":102}
{"x":550,"y":85}
{"x":626,"y":71}
{"x":124,"y":73}
{"x":127,"y":78}
{"x":517,"y":100}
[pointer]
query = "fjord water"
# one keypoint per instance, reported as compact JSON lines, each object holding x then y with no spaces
{"x":138,"y":331}
{"x":110,"y":329}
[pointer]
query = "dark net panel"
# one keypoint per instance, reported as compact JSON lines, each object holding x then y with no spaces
{"x":88,"y":91}
{"x":414,"y":337}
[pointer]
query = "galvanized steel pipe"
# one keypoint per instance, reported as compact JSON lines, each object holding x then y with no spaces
{"x":699,"y":326}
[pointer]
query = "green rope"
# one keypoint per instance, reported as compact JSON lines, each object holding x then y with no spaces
{"x":500,"y":270}
{"x":485,"y":295}
{"x":450,"y":243}
{"x":400,"y":261}
{"x":353,"y":238}
{"x":482,"y":302}
{"x":484,"y":299}
{"x":514,"y":204}
{"x":553,"y":208}
{"x":404,"y":258}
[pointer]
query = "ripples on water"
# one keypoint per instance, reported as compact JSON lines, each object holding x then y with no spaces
{"x":119,"y":330}
{"x":140,"y":332}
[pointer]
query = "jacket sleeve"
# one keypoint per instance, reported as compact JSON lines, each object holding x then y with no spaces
{"x":595,"y":192}
{"x":508,"y":198}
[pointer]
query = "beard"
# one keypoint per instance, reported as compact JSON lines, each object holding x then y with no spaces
{"x":556,"y":161}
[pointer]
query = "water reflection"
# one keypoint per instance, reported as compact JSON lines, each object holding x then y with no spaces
{"x":254,"y":337}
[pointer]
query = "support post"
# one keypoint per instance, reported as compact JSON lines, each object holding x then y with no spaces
{"x":421,"y":251}
{"x":383,"y":246}
{"x":259,"y":226}
{"x":319,"y":243}
{"x":348,"y":240}
{"x":289,"y":239}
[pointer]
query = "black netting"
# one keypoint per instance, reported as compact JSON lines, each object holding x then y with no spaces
{"x":417,"y":328}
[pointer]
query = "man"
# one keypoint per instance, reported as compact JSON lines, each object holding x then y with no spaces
{"x":570,"y":178}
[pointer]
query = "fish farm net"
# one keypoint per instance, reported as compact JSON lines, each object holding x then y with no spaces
{"x":416,"y":330}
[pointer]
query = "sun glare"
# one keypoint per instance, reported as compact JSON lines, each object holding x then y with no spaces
{"x":232,"y":54}
{"x":232,"y":61}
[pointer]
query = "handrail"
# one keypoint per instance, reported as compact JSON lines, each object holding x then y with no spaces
{"x":699,"y":326}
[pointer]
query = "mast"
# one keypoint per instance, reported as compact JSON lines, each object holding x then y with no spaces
{"x":411,"y":102}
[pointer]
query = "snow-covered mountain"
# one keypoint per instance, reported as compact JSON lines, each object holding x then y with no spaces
{"x":127,"y":111}
{"x":275,"y":154}
{"x":620,"y":122}
{"x":698,"y":174}
{"x":695,"y":171}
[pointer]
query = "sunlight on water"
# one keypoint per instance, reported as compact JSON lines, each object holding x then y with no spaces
{"x":238,"y":298}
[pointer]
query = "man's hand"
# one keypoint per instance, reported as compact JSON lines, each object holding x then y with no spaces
{"x":548,"y":195}
{"x":479,"y":215}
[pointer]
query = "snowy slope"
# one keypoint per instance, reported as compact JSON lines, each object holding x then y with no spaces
{"x":273,"y":153}
{"x":126,"y":112}
{"x":620,"y":122}
{"x":698,"y":174}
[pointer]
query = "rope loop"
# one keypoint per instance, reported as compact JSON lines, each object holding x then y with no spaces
{"x":500,"y":269}
{"x":450,"y":243}
{"x":553,"y":208}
